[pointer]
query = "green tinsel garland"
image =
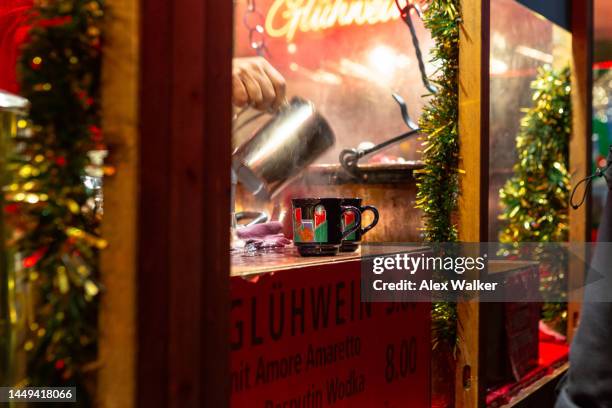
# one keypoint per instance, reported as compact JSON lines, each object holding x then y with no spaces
{"x":535,"y":199}
{"x":438,"y":181}
{"x":52,"y":210}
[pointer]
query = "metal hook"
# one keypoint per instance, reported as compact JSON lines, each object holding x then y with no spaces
{"x":349,"y":158}
{"x":405,"y":13}
{"x":404,"y":110}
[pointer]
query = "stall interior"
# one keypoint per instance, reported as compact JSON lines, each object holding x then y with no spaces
{"x":350,"y":66}
{"x":358,"y":66}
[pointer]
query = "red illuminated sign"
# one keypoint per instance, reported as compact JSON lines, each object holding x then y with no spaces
{"x":305,"y":339}
{"x":286,"y":17}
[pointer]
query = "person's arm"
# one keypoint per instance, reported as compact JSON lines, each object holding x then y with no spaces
{"x":588,"y":382}
{"x":256,"y":83}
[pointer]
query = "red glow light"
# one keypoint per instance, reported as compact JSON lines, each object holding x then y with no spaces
{"x":603,"y":65}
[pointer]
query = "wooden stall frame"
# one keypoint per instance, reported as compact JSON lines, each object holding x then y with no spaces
{"x":580,"y":144}
{"x":167,"y":118}
{"x":120,"y":76}
{"x":474,"y":139}
{"x":171,"y":220}
{"x":183,"y":271}
{"x":473,"y":208}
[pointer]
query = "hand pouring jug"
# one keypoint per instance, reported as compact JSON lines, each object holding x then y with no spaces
{"x":294,"y":138}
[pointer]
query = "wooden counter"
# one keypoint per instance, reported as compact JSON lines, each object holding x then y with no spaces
{"x":253,"y":263}
{"x":249,"y":264}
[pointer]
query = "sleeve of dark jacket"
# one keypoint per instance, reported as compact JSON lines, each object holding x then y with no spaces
{"x":589,"y":380}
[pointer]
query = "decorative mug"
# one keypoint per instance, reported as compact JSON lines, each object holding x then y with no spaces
{"x":317,"y":225}
{"x":352,"y":241}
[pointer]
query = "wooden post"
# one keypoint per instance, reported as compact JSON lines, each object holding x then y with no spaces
{"x":184,"y":174}
{"x":580,"y":143}
{"x":473,"y":209}
{"x":167,"y":118}
{"x":120,"y":77}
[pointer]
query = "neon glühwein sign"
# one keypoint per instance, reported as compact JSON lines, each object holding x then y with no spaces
{"x":286,"y":17}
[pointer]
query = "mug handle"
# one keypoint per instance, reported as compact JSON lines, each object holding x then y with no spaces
{"x":374,"y":222}
{"x":357,"y":225}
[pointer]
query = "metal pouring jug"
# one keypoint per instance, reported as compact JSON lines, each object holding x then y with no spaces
{"x":294,"y":138}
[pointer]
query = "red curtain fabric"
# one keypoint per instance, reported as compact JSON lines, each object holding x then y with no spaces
{"x":14,"y":28}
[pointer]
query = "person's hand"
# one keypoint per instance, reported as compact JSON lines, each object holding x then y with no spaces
{"x":256,"y":83}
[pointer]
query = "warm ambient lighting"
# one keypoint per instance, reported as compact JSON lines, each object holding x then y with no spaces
{"x":498,"y":67}
{"x":535,"y":54}
{"x":385,"y":60}
{"x":286,"y":17}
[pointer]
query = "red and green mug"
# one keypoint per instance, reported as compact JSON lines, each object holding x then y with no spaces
{"x":318,"y":225}
{"x":352,"y":241}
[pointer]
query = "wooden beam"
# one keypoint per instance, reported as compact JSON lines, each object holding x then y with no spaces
{"x":183,"y":277}
{"x":474,"y":120}
{"x":466,"y":378}
{"x":580,"y":143}
{"x":473,"y":208}
{"x":120,"y":74}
